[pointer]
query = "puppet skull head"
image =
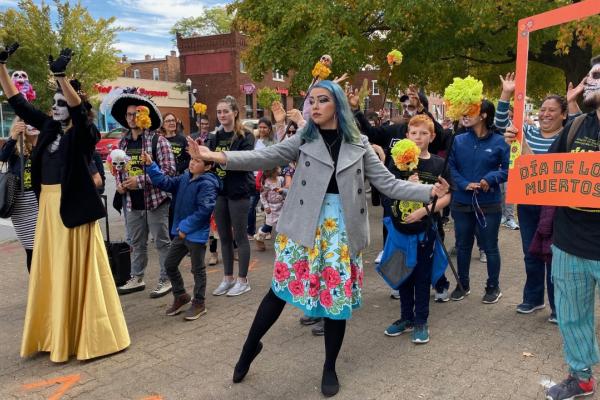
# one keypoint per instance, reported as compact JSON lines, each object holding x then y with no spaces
{"x":591,"y":89}
{"x":327,"y":60}
{"x":20,"y":77}
{"x":118,"y":159}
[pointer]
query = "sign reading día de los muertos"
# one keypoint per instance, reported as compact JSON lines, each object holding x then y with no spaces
{"x":569,"y":179}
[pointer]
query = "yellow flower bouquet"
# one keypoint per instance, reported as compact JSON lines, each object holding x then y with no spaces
{"x":321,"y":71}
{"x":405,"y":154}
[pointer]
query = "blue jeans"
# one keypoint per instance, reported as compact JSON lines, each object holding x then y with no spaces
{"x":414,"y":291}
{"x":464,"y":228}
{"x":536,"y":270}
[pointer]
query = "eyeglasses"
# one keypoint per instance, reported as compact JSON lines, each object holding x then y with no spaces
{"x":130,"y":115}
{"x":290,"y":133}
{"x":168,"y":121}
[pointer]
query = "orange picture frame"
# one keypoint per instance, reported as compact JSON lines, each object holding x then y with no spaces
{"x":569,"y":179}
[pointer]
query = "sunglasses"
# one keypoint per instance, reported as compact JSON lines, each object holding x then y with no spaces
{"x":168,"y":121}
{"x":130,"y":115}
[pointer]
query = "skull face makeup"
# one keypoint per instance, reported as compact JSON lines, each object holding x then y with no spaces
{"x":591,"y":89}
{"x":60,"y":111}
{"x":20,"y":76}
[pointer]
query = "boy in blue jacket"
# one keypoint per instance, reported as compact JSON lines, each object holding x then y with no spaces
{"x":195,"y":194}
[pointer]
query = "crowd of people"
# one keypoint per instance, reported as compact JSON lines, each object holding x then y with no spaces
{"x":309,"y":171}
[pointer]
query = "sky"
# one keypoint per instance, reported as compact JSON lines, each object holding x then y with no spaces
{"x":150,"y":19}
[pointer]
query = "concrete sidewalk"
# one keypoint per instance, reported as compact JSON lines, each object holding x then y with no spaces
{"x":476,"y":351}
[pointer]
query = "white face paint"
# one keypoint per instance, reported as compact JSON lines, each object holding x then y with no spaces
{"x":60,"y":111}
{"x":591,"y":88}
{"x":20,"y":76}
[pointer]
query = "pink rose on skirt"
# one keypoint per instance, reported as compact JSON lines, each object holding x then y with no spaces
{"x":315,"y":284}
{"x":331,"y":277}
{"x":296,"y":288}
{"x":348,"y":288}
{"x":301,"y":268}
{"x":281,"y":272}
{"x":326,"y":299}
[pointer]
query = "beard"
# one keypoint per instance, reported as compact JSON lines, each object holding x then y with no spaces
{"x":591,"y":99}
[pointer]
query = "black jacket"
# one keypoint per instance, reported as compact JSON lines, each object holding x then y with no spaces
{"x":8,"y":153}
{"x":236,"y":184}
{"x":79,"y":201}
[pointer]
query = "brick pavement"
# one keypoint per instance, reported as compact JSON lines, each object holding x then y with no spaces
{"x":476,"y":350}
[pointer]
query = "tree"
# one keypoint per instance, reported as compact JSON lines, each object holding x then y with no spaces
{"x":213,"y":21}
{"x":439,"y":39}
{"x":92,"y":40}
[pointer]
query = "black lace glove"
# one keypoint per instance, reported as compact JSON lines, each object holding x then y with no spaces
{"x":59,"y":66}
{"x":4,"y":54}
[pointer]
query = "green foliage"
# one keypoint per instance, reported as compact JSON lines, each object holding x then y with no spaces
{"x":92,"y":40}
{"x":213,"y":21}
{"x":266,"y":96}
{"x":440,"y":39}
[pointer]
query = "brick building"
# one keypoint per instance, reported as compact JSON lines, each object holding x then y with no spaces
{"x":157,"y":69}
{"x":214,"y":65}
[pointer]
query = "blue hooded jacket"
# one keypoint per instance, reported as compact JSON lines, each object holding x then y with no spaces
{"x":473,"y":159}
{"x":194,"y":201}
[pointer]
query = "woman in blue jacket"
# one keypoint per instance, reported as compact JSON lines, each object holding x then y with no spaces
{"x":478,"y":164}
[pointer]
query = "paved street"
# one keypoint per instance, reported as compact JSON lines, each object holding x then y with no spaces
{"x":476,"y":351}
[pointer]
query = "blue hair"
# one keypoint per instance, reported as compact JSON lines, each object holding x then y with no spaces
{"x":344,"y":115}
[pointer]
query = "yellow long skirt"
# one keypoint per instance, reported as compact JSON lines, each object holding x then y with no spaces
{"x":72,"y":307}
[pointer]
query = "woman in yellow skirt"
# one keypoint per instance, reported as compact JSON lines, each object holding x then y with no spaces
{"x":72,"y":307}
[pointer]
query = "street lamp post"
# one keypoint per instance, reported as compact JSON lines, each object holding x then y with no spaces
{"x":188,"y":83}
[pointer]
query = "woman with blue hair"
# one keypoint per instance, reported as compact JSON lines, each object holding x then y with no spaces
{"x":324,"y":225}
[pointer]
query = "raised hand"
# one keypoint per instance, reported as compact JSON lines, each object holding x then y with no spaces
{"x":574,"y":92}
{"x":296,"y":116}
{"x":508,"y":85}
{"x":510,"y":135}
{"x":278,"y":112}
{"x":8,"y":50}
{"x":340,"y":79}
{"x":59,"y":66}
{"x":353,"y":99}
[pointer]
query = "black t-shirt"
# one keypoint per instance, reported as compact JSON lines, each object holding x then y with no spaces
{"x":428,"y":170}
{"x":134,"y":150}
{"x":333,"y":142}
{"x":577,"y":230}
{"x":52,"y":164}
{"x":179,"y":149}
{"x":223,"y":143}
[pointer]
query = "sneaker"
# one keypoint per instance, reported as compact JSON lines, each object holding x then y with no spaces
{"x":395,"y":294}
{"x":492,"y":295}
{"x":378,"y":258}
{"x":420,"y":334}
{"x":482,"y":256}
{"x":260,"y":236}
{"x":511,"y":224}
{"x":309,"y":320}
{"x":441,"y":297}
{"x":213,"y":258}
{"x":134,"y":284}
{"x":268,"y":236}
{"x":552,"y":319}
{"x":223,"y":287}
{"x":399,"y":327}
{"x":163,"y":287}
{"x":525,"y":308}
{"x":239,"y":288}
{"x":571,"y":388}
{"x":318,"y":329}
{"x":178,"y":304}
{"x":195,"y":311}
{"x":458,"y":294}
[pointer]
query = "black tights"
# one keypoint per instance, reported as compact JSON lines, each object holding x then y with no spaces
{"x":269,"y":311}
{"x":29,"y":257}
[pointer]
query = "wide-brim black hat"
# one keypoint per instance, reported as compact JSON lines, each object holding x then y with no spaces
{"x":120,"y":104}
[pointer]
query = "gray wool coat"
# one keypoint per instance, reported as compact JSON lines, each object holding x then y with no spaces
{"x":300,"y":214}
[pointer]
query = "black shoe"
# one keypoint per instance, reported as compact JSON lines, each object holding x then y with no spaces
{"x":240,"y":371}
{"x":309,"y":320}
{"x":329,"y":383}
{"x":492,"y":295}
{"x":458,"y":294}
{"x":318,"y":329}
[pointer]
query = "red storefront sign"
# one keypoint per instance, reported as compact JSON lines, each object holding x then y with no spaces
{"x":144,"y":92}
{"x":248,"y":88}
{"x":282,"y":91}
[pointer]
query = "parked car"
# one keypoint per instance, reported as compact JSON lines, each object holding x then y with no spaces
{"x":109,"y":141}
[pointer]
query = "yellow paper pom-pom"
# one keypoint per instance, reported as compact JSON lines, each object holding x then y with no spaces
{"x":200,"y":108}
{"x":142,"y":117}
{"x":394,"y":57}
{"x":405,"y":154}
{"x":320,"y":71}
{"x":463,"y":97}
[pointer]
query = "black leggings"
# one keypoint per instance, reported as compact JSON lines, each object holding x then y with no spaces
{"x":29,"y":257}
{"x":269,"y":311}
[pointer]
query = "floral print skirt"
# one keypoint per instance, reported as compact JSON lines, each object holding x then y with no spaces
{"x":323,"y":281}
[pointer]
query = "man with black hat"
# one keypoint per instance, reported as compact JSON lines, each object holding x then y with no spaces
{"x":147,"y":206}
